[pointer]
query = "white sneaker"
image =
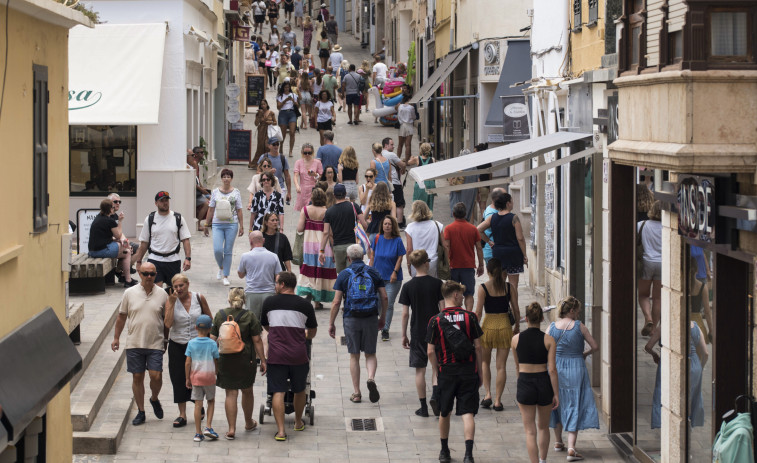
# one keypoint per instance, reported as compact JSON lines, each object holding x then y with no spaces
{"x":226,"y":281}
{"x":220,"y":274}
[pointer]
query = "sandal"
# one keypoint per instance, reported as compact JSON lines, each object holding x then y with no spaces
{"x":301,"y":428}
{"x":647,"y":330}
{"x":356,"y":398}
{"x":486,"y":403}
{"x":575,"y":457}
{"x":498,"y":408}
{"x":279,"y":438}
{"x":251,"y":428}
{"x":179,"y":422}
{"x":229,"y":436}
{"x":559,"y":446}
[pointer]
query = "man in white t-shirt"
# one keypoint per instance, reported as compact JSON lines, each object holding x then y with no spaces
{"x":335,"y":59}
{"x":379,"y":71}
{"x":258,"y":14}
{"x":163,"y":241}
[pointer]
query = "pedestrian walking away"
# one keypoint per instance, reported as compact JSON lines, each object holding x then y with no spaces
{"x":454,"y":350}
{"x":162,"y":237}
{"x":237,"y":360}
{"x":422,"y":294}
{"x":183,"y":309}
{"x":463,"y":244}
{"x":226,"y":219}
{"x":143,"y":307}
{"x":425,"y":158}
{"x":396,"y":170}
{"x":258,"y":267}
{"x":291,"y":324}
{"x":348,"y":169}
{"x":406,"y":119}
{"x":351,"y":86}
{"x":489,"y":210}
{"x":379,"y":206}
{"x":365,"y":303}
{"x":339,"y":227}
{"x":423,"y":233}
{"x":200,"y":371}
{"x":316,"y":280}
{"x":387,"y":252}
{"x":537,"y":392}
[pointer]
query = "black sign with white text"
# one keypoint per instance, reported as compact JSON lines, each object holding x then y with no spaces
{"x":696,"y":207}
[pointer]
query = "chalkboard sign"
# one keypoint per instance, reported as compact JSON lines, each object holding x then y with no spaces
{"x":84,"y":219}
{"x":255,"y":89}
{"x":240,"y":145}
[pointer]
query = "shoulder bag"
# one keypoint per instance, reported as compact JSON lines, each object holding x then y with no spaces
{"x":639,"y":252}
{"x":361,"y":237}
{"x":442,"y":262}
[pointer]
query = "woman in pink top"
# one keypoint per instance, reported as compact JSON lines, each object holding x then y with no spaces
{"x":306,"y":171}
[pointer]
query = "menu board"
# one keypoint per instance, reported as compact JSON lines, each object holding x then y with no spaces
{"x":239,"y":146}
{"x":255,"y":89}
{"x":84,"y":219}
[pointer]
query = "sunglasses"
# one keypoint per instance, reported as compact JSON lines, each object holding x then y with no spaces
{"x":369,"y":176}
{"x":307,"y":153}
{"x":116,"y":202}
{"x":275,"y":144}
{"x":266,"y":179}
{"x":235,"y":287}
{"x":148,"y":274}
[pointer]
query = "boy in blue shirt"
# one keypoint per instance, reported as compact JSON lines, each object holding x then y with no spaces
{"x":201,"y":368}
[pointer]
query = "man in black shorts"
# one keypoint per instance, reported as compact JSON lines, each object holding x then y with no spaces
{"x":290,"y":322}
{"x":424,"y":295}
{"x":459,"y":378}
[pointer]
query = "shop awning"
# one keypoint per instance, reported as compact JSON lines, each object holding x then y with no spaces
{"x":517,"y":68}
{"x":115,"y":74}
{"x":500,"y":157}
{"x":448,"y":64}
{"x":37,"y":359}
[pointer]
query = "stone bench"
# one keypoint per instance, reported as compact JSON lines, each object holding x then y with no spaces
{"x":89,"y":275}
{"x":75,"y":317}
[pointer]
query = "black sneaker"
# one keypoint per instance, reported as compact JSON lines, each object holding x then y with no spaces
{"x":157,"y":409}
{"x":444,"y":456}
{"x":139,"y":419}
{"x":434,"y":406}
{"x":129,"y":284}
{"x":422,"y":412}
{"x":468,"y":459}
{"x":384,"y":335}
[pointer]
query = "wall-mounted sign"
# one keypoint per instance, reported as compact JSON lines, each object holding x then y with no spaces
{"x":492,"y":65}
{"x":696,"y":207}
{"x":515,"y":120}
{"x":241,"y":32}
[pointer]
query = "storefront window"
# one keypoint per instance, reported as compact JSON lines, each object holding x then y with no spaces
{"x":103,"y":159}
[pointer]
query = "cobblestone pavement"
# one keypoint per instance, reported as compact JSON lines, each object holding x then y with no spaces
{"x":405,"y":437}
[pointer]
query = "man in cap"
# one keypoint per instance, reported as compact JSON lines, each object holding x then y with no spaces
{"x":296,"y":57}
{"x":288,"y":35}
{"x":339,"y":227}
{"x":162,"y":237}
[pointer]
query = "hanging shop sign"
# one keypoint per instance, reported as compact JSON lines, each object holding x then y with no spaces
{"x":515,"y":120}
{"x":242,"y":32}
{"x":696,"y":207}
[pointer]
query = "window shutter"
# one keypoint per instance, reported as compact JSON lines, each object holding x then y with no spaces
{"x":41,"y":100}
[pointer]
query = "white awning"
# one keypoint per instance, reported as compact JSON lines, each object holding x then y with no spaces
{"x":448,"y":64}
{"x":115,"y":74}
{"x":499,"y":157}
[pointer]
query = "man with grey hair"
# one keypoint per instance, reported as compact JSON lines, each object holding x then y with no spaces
{"x":365,"y":304}
{"x":490,"y":210}
{"x":259,"y":268}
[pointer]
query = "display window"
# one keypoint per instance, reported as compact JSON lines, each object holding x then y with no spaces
{"x":103,"y":159}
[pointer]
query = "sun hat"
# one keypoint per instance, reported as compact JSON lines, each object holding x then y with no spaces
{"x":337,"y":47}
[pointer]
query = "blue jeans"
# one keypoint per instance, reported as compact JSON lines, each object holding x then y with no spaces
{"x":392,"y":289}
{"x":224,"y":235}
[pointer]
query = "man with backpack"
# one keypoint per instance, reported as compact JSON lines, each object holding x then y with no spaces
{"x":162,"y":237}
{"x":365,"y":303}
{"x":454,"y":350}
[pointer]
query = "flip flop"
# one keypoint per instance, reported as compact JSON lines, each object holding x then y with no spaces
{"x":373,"y":393}
{"x":356,"y":398}
{"x":278,"y":438}
{"x":179,"y":422}
{"x":253,"y":427}
{"x":486,"y":403}
{"x":229,"y":436}
{"x":498,"y":408}
{"x":301,"y":428}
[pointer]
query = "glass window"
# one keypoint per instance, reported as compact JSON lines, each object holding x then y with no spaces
{"x":635,"y":45}
{"x":103,"y":159}
{"x":675,"y":44}
{"x":728,"y":33}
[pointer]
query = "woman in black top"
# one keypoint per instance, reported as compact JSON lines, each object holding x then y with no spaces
{"x":105,"y":240}
{"x":348,"y":167}
{"x":380,"y":205}
{"x":537,"y":392}
{"x":277,"y":242}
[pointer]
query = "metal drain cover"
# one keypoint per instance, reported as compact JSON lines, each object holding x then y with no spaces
{"x":364,"y":424}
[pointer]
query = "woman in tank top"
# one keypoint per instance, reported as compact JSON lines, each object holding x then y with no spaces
{"x":496,"y":297}
{"x":382,"y":165}
{"x":537,"y":391}
{"x":347,"y":175}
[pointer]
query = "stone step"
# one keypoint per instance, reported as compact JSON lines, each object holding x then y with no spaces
{"x":106,"y":431}
{"x":95,"y":384}
{"x":95,"y":329}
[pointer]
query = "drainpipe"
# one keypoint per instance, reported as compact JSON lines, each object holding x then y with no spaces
{"x":453,"y":11}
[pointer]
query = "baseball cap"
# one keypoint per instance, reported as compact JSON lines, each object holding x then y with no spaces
{"x":298,"y":48}
{"x":340,"y":191}
{"x":273,"y":140}
{"x":162,"y":194}
{"x":204,"y":321}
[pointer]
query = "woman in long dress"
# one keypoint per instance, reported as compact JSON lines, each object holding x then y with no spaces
{"x":424,"y":159}
{"x":307,"y":34}
{"x":577,"y":410}
{"x":264,"y":118}
{"x":316,"y":281}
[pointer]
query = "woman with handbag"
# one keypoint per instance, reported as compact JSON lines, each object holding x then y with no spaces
{"x":499,"y":324}
{"x":277,"y":242}
{"x":387,"y":251}
{"x":316,"y":280}
{"x":423,"y":233}
{"x":264,"y":118}
{"x":287,"y":103}
{"x":577,"y":408}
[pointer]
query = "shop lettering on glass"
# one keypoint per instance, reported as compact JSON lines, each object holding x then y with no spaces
{"x":80,"y":99}
{"x":696,"y":202}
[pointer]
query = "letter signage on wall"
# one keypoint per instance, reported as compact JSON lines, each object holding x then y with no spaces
{"x":696,"y":207}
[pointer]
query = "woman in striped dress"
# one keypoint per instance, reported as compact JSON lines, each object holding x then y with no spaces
{"x":316,"y":281}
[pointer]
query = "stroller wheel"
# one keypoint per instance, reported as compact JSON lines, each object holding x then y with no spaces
{"x":262,"y":414}
{"x":312,"y":415}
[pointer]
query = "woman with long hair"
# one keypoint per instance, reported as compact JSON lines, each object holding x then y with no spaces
{"x":264,"y":118}
{"x":262,"y":59}
{"x":344,"y":69}
{"x":326,"y":116}
{"x":273,"y":14}
{"x":306,"y":99}
{"x":287,"y":103}
{"x":180,"y":320}
{"x":380,"y":205}
{"x":236,"y":372}
{"x":497,"y":297}
{"x":425,"y":158}
{"x":423,"y":233}
{"x":306,"y":172}
{"x":537,"y":392}
{"x":577,"y":410}
{"x":650,"y":280}
{"x":347,"y":175}
{"x":226,"y":219}
{"x":406,"y":119}
{"x":366,"y":189}
{"x":307,"y":32}
{"x":272,"y":62}
{"x":387,"y":251}
{"x":277,"y":242}
{"x":316,"y":281}
{"x":367,"y":73}
{"x":329,"y":176}
{"x":324,"y":48}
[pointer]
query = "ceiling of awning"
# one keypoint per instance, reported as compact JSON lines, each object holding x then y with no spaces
{"x":446,"y":67}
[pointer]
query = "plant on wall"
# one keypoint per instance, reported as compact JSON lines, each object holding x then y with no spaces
{"x":88,"y":12}
{"x":410,"y":64}
{"x":204,"y":145}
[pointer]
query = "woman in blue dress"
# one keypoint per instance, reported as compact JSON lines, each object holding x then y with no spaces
{"x":577,"y":410}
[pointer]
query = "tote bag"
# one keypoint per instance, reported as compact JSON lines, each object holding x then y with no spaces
{"x":274,"y":131}
{"x":442,"y":263}
{"x":297,"y":251}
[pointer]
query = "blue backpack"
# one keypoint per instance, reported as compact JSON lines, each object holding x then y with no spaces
{"x":361,"y":292}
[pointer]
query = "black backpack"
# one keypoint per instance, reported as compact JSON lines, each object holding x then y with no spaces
{"x":459,"y":343}
{"x":150,"y":221}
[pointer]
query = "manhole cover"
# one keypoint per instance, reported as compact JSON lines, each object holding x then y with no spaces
{"x":364,"y":424}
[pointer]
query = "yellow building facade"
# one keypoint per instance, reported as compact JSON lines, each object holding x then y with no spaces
{"x":587,"y":38}
{"x":31,"y":272}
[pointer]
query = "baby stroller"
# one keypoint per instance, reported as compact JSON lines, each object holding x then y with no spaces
{"x":266,"y":408}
